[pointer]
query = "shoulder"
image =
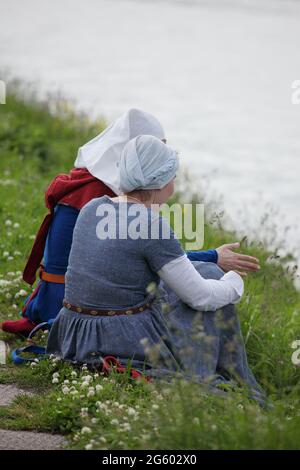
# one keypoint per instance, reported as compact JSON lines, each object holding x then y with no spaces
{"x":157,"y":226}
{"x":94,"y":203}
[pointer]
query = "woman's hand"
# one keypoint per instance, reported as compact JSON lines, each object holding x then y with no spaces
{"x":228,"y":260}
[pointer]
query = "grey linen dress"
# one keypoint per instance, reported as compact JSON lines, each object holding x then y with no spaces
{"x":167,"y":339}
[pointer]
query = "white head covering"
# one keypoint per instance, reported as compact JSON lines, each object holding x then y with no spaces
{"x":101,"y":155}
{"x":147,"y":163}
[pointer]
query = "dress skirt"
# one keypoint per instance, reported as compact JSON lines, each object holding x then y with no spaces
{"x":162,"y":341}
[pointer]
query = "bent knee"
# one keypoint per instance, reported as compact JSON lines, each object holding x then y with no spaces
{"x":208,"y":270}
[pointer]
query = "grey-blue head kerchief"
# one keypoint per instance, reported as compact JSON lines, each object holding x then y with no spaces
{"x":147,"y":163}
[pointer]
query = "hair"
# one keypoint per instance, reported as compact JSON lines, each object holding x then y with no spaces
{"x":142,"y":194}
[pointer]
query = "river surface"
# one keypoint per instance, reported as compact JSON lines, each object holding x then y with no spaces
{"x":218,"y":74}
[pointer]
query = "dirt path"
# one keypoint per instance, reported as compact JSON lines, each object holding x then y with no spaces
{"x":24,"y":440}
{"x":9,"y":392}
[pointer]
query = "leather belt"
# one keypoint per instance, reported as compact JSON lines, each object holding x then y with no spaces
{"x":57,"y":278}
{"x":103,"y":313}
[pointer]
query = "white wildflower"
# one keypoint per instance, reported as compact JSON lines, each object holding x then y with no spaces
{"x":144,"y":341}
{"x":55,"y":380}
{"x":131,"y":411}
{"x":8,"y":223}
{"x":115,"y":422}
{"x":86,"y":430}
{"x":126,"y":427}
{"x":21,"y":293}
{"x":87,"y":378}
{"x":98,"y":388}
{"x":151,"y":288}
{"x":88,"y":447}
{"x":65,"y":390}
{"x":84,"y":412}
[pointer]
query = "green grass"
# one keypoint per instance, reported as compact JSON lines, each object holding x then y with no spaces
{"x":39,"y":140}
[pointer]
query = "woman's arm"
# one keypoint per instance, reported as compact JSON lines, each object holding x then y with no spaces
{"x":199,"y":293}
{"x":227,"y":258}
{"x":209,"y":256}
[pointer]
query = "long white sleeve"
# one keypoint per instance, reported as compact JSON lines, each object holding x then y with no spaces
{"x":199,"y":293}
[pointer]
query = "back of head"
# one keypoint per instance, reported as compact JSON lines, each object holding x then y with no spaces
{"x":147,"y":163}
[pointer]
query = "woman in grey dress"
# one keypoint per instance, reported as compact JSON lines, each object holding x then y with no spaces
{"x":131,"y":292}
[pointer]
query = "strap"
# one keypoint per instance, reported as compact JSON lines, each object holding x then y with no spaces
{"x":40,"y":326}
{"x":32,"y":348}
{"x":57,"y":278}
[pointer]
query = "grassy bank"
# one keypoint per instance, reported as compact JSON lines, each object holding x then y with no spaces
{"x":36,"y":142}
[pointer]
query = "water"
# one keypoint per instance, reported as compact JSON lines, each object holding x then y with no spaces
{"x":218,"y":75}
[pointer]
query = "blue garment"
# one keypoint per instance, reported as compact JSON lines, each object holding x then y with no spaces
{"x":48,"y":301}
{"x":113,"y":272}
{"x":106,"y":269}
{"x":209,"y":256}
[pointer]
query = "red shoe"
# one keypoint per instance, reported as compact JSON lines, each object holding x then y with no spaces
{"x":19,"y":327}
